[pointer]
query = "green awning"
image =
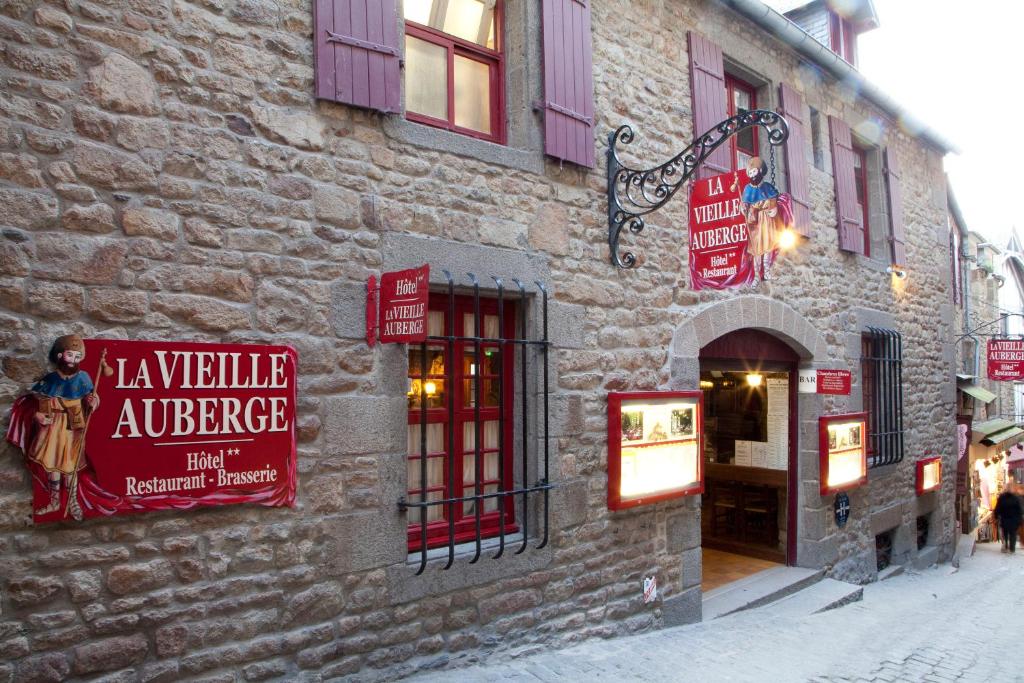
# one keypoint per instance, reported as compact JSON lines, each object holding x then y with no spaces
{"x":983,"y":395}
{"x":1002,"y":436}
{"x":990,"y":427}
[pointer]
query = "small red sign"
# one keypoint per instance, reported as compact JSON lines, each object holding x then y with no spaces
{"x":836,"y":382}
{"x":403,"y":305}
{"x":1006,"y":359}
{"x":128,"y":426}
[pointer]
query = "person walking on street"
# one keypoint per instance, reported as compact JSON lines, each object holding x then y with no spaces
{"x":1009,"y":512}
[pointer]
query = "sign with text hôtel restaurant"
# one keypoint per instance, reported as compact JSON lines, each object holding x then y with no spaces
{"x":736,"y":222}
{"x":1006,"y":359}
{"x":403,"y":307}
{"x":130,"y":426}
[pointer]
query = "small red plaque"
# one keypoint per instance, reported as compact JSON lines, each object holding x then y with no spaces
{"x":403,"y":305}
{"x":836,"y":382}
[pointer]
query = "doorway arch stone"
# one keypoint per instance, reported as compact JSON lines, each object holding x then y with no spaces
{"x":758,"y":312}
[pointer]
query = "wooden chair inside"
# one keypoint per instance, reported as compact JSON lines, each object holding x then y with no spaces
{"x":760,"y":514}
{"x":725,"y":505}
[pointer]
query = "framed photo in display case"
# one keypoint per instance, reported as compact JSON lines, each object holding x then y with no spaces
{"x":929,"y":475}
{"x":843,"y":451}
{"x":654,"y":447}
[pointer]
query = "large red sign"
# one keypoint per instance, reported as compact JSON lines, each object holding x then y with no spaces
{"x":738,"y":221}
{"x":1006,"y":359}
{"x":836,"y":382}
{"x":403,"y":305}
{"x":128,"y":426}
{"x":718,"y":233}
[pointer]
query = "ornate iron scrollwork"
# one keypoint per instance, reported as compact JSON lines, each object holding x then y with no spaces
{"x":633,"y":193}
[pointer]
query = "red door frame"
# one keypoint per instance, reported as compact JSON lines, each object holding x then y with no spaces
{"x":754,"y":350}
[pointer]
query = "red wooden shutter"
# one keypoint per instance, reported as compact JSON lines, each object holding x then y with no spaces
{"x":892,"y":176}
{"x":707,"y":90}
{"x":357,"y":53}
{"x":568,"y":81}
{"x":796,"y":158}
{"x":850,"y":220}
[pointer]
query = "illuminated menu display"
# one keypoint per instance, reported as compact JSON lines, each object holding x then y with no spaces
{"x":929,"y":474}
{"x":843,"y":452}
{"x":654,"y":446}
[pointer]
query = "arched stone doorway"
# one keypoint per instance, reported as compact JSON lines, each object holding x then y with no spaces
{"x":755,"y":335}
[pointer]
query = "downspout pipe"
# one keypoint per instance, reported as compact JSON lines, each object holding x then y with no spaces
{"x":805,"y":45}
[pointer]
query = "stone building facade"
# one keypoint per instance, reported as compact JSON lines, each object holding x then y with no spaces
{"x":166,"y":173}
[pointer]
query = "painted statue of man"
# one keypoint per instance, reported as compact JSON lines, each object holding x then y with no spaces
{"x":766,"y":213}
{"x":62,"y":401}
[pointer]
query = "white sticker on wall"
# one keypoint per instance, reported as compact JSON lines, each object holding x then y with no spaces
{"x":650,"y":589}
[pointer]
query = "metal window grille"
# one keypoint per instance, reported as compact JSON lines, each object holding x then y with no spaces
{"x":509,"y":490}
{"x":882,"y":372}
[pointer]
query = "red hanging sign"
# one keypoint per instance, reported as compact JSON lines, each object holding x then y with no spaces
{"x":835,"y":382}
{"x":129,"y":426}
{"x":736,"y":221}
{"x":1006,"y":359}
{"x":718,"y":234}
{"x":403,"y":305}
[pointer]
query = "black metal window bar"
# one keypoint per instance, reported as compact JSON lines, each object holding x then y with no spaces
{"x":882,"y":372}
{"x":522,"y":347}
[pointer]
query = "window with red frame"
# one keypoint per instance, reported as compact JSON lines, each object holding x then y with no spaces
{"x":454,"y":66}
{"x":843,"y":37}
{"x":860,"y":181}
{"x":741,"y":97}
{"x":452,"y":434}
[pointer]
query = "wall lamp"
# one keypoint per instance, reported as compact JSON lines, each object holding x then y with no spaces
{"x":900,"y":273}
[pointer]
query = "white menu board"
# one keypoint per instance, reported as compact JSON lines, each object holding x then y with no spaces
{"x":758,"y":454}
{"x":742,"y":453}
{"x":777,"y":457}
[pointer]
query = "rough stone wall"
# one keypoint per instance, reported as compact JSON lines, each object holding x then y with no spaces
{"x":165,"y":173}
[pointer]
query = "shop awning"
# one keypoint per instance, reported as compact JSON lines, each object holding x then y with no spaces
{"x":1016,"y":454}
{"x":989,"y":427}
{"x":973,"y":390}
{"x":1000,"y":437}
{"x":963,"y":378}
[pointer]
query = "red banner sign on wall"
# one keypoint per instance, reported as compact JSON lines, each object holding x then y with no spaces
{"x":835,"y":382}
{"x":128,"y":426}
{"x":718,"y":234}
{"x":1006,"y":359}
{"x":403,"y":305}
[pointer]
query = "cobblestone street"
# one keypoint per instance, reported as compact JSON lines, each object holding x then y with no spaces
{"x":941,"y":624}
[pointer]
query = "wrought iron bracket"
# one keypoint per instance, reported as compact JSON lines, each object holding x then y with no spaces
{"x":633,"y":193}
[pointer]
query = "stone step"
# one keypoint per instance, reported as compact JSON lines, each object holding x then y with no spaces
{"x":757,"y":590}
{"x":926,"y":557}
{"x":824,"y":595}
{"x":890,"y":571}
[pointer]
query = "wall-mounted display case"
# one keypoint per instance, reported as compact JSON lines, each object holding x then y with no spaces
{"x":929,"y":474}
{"x":654,"y":446}
{"x":843,"y":451}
